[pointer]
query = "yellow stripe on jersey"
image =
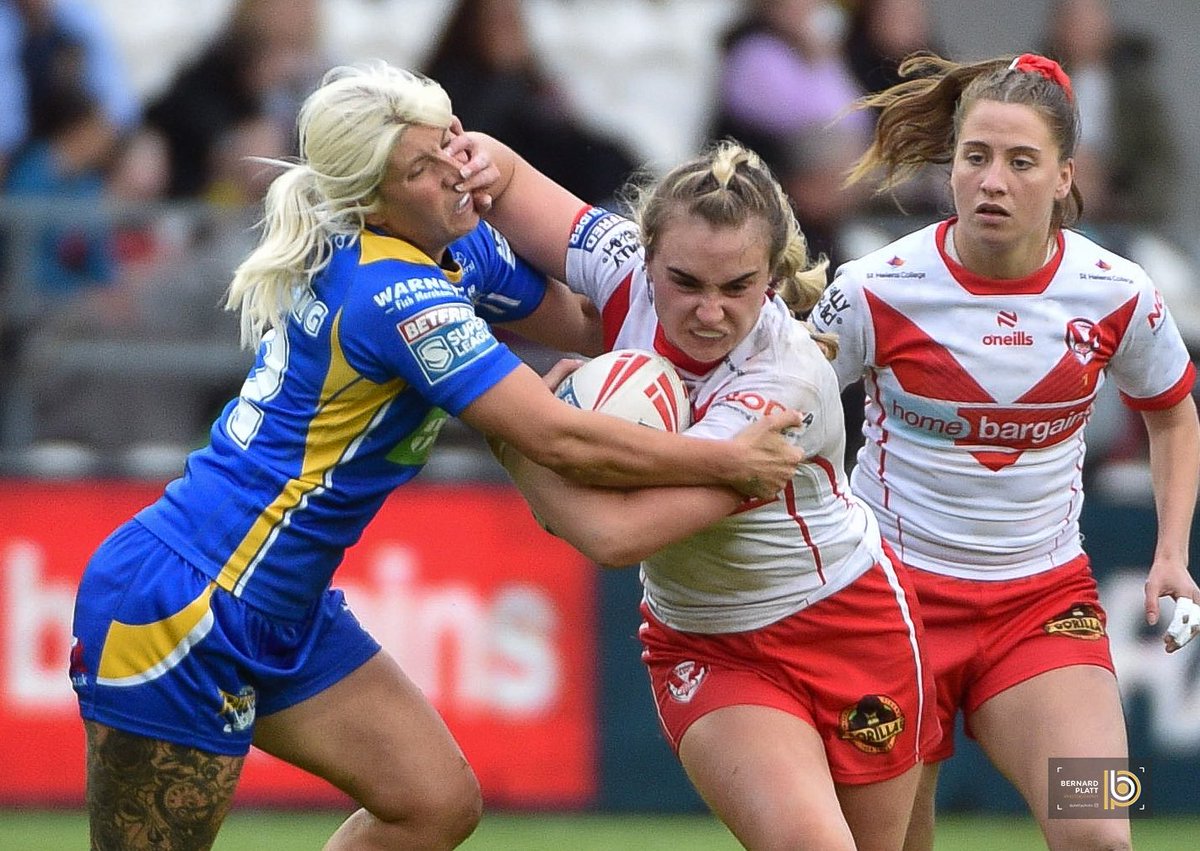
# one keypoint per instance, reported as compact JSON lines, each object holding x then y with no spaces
{"x":137,"y":653}
{"x":348,"y":407}
{"x":375,"y":247}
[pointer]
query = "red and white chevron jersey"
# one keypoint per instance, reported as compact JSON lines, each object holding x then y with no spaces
{"x":771,"y":558}
{"x":978,"y":391}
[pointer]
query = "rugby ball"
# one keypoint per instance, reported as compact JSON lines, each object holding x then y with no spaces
{"x":635,"y":385}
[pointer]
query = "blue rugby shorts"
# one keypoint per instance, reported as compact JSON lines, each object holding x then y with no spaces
{"x":158,"y":649}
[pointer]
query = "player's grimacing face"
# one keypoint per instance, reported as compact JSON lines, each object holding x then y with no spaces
{"x":417,"y":201}
{"x":1006,"y":176}
{"x":709,"y":283}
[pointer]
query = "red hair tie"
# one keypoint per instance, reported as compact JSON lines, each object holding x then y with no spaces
{"x":1048,"y":68}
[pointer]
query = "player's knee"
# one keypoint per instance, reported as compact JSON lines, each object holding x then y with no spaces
{"x":1093,"y":835}
{"x":461,"y":809}
{"x":444,"y":812}
{"x":807,"y":830}
{"x":832,"y":836}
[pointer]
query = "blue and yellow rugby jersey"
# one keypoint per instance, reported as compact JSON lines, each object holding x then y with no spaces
{"x":342,"y":406}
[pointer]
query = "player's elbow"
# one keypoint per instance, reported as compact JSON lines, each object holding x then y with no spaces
{"x":604,"y":539}
{"x":613,"y":549}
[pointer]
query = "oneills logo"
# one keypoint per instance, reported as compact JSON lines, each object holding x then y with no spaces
{"x":238,"y":709}
{"x":1081,"y":621}
{"x":872,"y":724}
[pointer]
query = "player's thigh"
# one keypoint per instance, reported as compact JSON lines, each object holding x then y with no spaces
{"x":878,"y":813}
{"x":374,"y":735}
{"x":764,"y":773}
{"x":1069,"y":712}
{"x":147,"y":793}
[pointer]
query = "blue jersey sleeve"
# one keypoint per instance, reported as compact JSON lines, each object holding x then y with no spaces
{"x":407,"y":321}
{"x":501,"y":285}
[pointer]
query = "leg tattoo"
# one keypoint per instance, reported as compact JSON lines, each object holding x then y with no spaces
{"x":148,"y":795}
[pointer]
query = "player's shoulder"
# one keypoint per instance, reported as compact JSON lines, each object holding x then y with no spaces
{"x":789,"y":351}
{"x":393,"y":277}
{"x":482,"y":244}
{"x":1086,"y":260}
{"x":910,"y":257}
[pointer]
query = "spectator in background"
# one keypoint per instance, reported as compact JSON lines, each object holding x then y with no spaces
{"x":238,"y":99}
{"x":1127,"y":161}
{"x":785,"y":89}
{"x":486,"y":61}
{"x":14,"y":120}
{"x":72,"y":106}
{"x":880,"y":34}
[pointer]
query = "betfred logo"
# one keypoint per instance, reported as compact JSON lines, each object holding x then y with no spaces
{"x":428,"y":321}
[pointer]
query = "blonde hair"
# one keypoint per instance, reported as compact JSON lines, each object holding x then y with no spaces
{"x":347,"y":128}
{"x":921,"y":116}
{"x":726,"y":186}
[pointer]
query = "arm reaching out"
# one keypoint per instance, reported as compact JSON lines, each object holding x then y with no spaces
{"x":599,"y":449}
{"x":614,"y":527}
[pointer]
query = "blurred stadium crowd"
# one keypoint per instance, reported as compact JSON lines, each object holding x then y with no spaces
{"x":127,"y":196}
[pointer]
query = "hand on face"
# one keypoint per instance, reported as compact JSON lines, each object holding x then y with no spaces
{"x":477,"y":170}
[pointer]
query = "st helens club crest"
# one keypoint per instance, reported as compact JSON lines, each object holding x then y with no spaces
{"x":685,"y":679}
{"x":1083,"y":339}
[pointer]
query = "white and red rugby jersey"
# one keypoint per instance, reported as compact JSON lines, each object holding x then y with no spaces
{"x":978,"y":391}
{"x":771,"y":558}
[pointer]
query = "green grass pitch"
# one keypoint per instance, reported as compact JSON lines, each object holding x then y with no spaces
{"x":296,"y":831}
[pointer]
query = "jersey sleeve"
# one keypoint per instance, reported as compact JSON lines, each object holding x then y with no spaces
{"x":843,"y":310}
{"x":603,"y":251}
{"x":502,"y":286}
{"x":408,"y":322}
{"x":1152,"y":367}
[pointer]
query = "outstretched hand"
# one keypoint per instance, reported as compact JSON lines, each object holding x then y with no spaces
{"x":770,"y":457}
